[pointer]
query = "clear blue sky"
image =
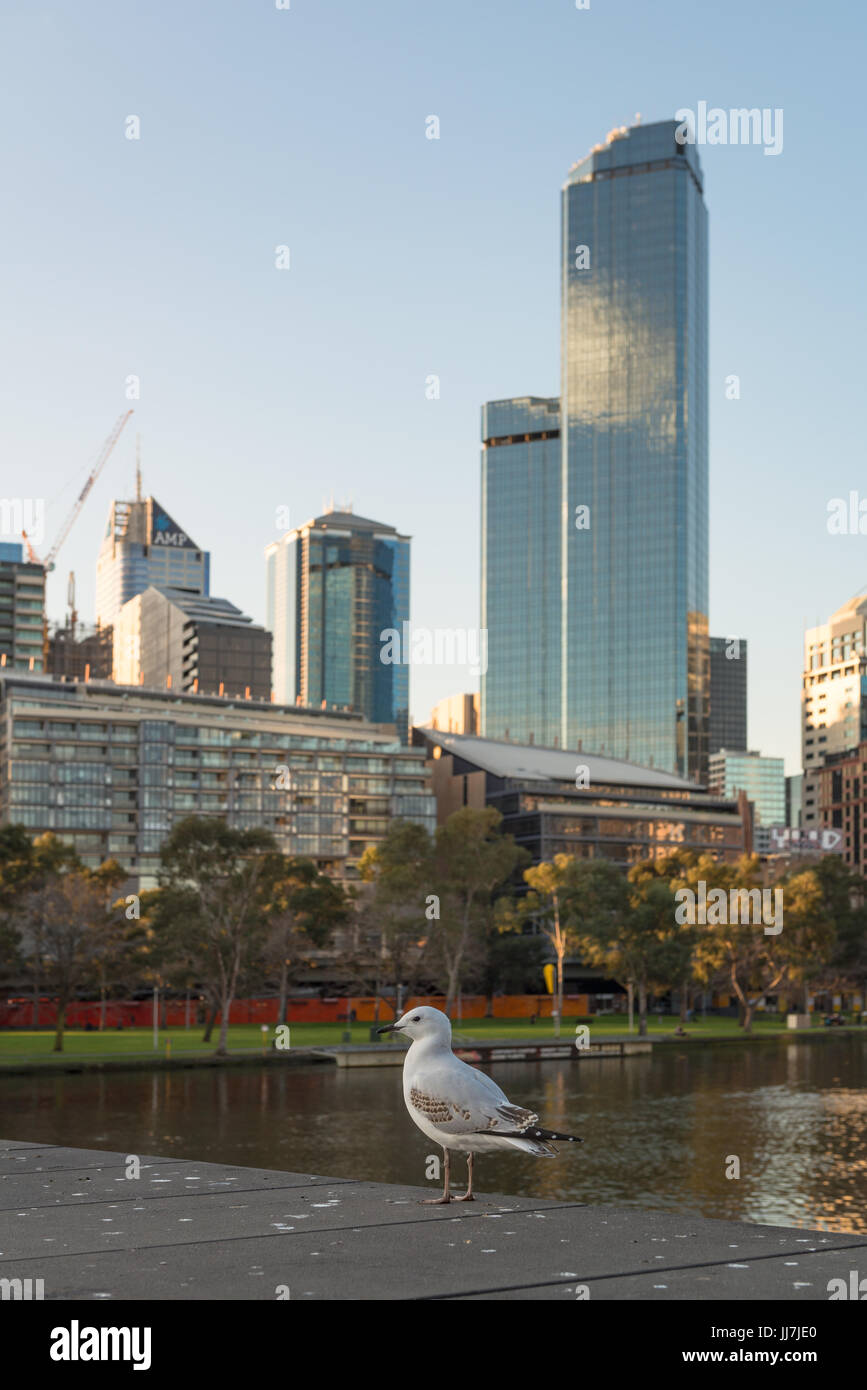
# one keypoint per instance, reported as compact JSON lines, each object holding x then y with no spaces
{"x":306,"y":127}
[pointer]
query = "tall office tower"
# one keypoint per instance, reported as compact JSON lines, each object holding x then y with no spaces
{"x":728,"y":694}
{"x":333,"y":586}
{"x":833,"y":696}
{"x":521,"y":599}
{"x":22,"y":609}
{"x":634,"y":348}
{"x":193,"y":642}
{"x":762,"y":779}
{"x":143,"y":545}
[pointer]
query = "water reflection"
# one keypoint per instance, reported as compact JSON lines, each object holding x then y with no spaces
{"x":659,"y":1132}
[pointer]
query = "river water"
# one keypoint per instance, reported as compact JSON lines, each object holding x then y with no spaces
{"x":659,"y":1131}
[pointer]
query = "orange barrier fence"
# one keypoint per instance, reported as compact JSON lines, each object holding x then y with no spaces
{"x":19,"y":1013}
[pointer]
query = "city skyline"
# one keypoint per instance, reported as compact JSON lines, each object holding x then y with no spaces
{"x":285,"y":385}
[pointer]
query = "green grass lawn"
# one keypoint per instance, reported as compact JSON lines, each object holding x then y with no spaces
{"x":26,"y":1046}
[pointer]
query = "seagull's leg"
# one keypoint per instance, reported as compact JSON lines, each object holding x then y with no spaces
{"x":468,"y":1195}
{"x":440,"y":1201}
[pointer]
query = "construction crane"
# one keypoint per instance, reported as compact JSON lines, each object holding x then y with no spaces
{"x":48,"y":563}
{"x":70,"y":599}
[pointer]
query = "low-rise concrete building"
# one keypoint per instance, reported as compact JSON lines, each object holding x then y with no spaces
{"x":583,"y":804}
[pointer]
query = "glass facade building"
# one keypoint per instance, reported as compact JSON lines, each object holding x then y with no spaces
{"x":762,"y":779}
{"x":333,"y":587}
{"x":634,"y":391}
{"x":520,"y":563}
{"x":728,"y":694}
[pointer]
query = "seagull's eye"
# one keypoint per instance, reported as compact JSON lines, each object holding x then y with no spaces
{"x":416,"y":1019}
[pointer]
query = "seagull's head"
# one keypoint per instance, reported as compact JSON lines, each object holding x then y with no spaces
{"x":422,"y":1022}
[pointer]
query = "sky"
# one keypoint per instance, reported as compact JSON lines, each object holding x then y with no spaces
{"x":263,"y":388}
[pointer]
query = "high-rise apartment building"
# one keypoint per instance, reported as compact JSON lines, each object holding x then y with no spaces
{"x":143,"y":545}
{"x":634,"y":401}
{"x":111,"y":769}
{"x":333,"y":587}
{"x":520,"y":589}
{"x":22,"y":609}
{"x":165,"y":637}
{"x":728,"y":694}
{"x":833,"y":696}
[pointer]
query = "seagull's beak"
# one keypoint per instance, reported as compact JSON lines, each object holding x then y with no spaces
{"x":389,"y":1028}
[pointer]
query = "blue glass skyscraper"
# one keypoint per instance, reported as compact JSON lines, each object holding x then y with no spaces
{"x":334,"y":585}
{"x":520,"y":581}
{"x":635,"y":667}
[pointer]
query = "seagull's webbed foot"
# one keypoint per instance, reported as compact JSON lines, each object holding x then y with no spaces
{"x":441,"y":1201}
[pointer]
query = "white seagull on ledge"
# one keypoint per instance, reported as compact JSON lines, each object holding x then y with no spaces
{"x":459,"y":1107}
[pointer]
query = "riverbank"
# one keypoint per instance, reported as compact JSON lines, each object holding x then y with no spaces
{"x":90,"y":1225}
{"x":317,"y":1044}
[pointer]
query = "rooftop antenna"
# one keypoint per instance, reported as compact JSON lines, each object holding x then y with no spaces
{"x":138,"y":468}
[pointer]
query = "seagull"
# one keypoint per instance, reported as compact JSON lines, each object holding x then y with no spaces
{"x":458,"y":1106}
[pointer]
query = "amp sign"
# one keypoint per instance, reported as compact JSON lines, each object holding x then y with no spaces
{"x":165,"y":531}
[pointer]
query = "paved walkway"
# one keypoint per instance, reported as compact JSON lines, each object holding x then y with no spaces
{"x":185,"y":1230}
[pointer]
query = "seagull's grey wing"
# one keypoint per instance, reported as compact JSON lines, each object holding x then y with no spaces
{"x":460,"y":1100}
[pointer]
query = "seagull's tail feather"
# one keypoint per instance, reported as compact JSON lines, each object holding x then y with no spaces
{"x":536,"y":1140}
{"x":549,"y":1134}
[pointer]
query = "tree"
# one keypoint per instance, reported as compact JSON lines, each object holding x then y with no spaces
{"x":303,"y":908}
{"x":566,"y":897}
{"x":628,"y":925}
{"x":70,"y":908}
{"x":843,"y":893}
{"x":16,"y":870}
{"x":809,"y":935}
{"x":753,"y":962}
{"x":223,"y":878}
{"x":26,"y":868}
{"x":472,"y":859}
{"x":111,"y":958}
{"x":397,"y":914}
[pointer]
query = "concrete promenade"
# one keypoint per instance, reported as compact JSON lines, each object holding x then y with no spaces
{"x":186,"y":1230}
